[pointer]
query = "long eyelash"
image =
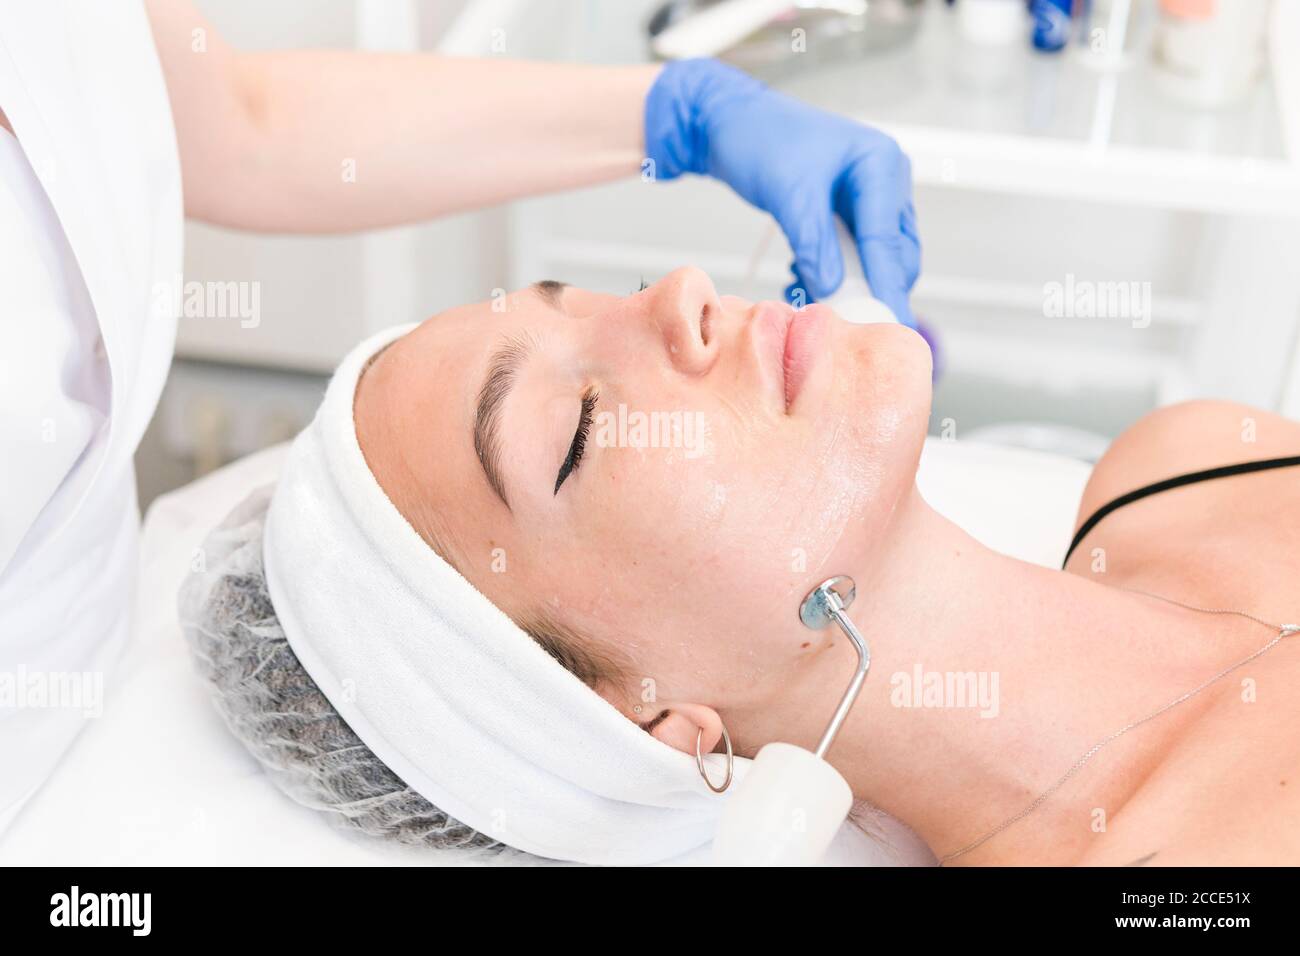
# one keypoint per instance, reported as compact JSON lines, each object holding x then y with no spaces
{"x":579,"y":443}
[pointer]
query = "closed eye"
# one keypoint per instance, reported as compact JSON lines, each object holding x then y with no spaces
{"x":578,"y":446}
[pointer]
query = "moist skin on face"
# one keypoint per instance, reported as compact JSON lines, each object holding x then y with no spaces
{"x":638,"y":543}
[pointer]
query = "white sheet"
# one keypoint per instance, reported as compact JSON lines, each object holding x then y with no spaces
{"x":159,"y":780}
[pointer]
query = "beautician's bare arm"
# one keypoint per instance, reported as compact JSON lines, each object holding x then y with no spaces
{"x":322,"y":141}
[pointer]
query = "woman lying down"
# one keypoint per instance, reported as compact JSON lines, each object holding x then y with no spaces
{"x":483,"y":609}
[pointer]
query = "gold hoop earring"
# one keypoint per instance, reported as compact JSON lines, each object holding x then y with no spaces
{"x":699,"y":761}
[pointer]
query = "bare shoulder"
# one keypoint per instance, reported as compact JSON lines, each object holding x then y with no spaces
{"x":1186,"y":437}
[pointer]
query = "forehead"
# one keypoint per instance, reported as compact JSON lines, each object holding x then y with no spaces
{"x":426,"y":382}
{"x":453,"y":346}
{"x":415,"y":405}
{"x":446,"y":357}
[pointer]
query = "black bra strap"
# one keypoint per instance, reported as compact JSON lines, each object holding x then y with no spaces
{"x":1188,"y":479}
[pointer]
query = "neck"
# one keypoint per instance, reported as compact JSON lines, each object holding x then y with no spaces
{"x":991,"y":677}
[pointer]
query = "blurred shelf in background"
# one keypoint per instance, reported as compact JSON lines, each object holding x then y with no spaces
{"x":1032,"y":172}
{"x":1014,"y":120}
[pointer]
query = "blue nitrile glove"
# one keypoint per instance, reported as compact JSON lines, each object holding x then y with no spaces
{"x":799,"y":163}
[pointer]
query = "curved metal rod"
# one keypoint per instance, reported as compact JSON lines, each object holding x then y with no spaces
{"x":826,"y":603}
{"x":859,"y":675}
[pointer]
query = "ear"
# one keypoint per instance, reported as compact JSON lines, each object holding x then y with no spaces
{"x":679,"y":725}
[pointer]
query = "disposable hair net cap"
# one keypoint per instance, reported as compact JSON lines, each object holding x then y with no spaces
{"x":276,"y":710}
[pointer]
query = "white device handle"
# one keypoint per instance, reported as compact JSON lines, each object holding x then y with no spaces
{"x":785,"y":812}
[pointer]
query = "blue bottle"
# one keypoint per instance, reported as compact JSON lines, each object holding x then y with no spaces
{"x":1051,"y":24}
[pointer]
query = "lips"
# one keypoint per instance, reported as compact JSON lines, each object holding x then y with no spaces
{"x":789,"y":345}
{"x":804,"y":339}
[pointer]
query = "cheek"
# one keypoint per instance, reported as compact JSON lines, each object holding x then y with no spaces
{"x":660,"y":515}
{"x":696,"y":564}
{"x":775,"y":509}
{"x":696,"y":558}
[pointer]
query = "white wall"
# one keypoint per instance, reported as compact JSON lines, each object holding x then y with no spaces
{"x":319,"y":295}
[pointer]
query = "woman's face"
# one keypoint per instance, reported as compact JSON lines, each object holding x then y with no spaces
{"x":735,"y":455}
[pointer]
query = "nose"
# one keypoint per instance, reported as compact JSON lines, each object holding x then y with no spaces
{"x":684,"y":308}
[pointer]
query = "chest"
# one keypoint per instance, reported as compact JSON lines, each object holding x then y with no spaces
{"x":1229,"y":794}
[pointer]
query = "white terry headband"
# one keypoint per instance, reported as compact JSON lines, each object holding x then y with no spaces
{"x":445,"y":689}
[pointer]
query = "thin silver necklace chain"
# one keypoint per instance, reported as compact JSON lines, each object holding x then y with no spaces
{"x":1283,"y":630}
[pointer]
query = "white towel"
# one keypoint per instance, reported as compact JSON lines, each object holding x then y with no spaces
{"x":446,"y":690}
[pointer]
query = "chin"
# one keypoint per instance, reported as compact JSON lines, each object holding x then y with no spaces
{"x":893,"y":365}
{"x":873,"y":427}
{"x":907,"y":345}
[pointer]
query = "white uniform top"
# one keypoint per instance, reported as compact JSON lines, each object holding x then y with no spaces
{"x":90,"y":246}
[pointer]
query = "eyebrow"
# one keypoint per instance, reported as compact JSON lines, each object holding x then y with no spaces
{"x":550,"y":291}
{"x":503,"y":369}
